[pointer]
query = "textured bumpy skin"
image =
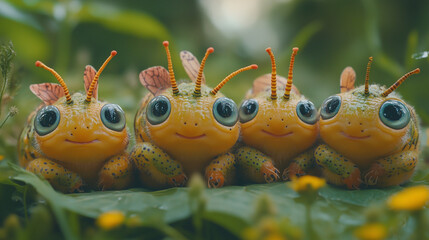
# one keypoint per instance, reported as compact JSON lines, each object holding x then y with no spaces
{"x":190,"y":140}
{"x":359,"y":149}
{"x":187,"y":141}
{"x":276,"y":141}
{"x":81,"y":152}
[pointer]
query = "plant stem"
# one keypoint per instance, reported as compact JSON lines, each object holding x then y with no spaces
{"x":2,"y":92}
{"x":420,"y":225}
{"x":309,"y":223}
{"x":5,"y":119}
{"x":25,"y":203}
{"x":171,"y":232}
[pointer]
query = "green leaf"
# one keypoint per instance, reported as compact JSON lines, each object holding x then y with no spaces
{"x":335,"y":212}
{"x":121,"y":20}
{"x":304,"y":35}
{"x":10,"y":12}
{"x":230,"y":222}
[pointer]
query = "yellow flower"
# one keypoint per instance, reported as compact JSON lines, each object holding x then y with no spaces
{"x":307,"y":183}
{"x":110,"y":220}
{"x":371,"y":231}
{"x":1,"y":157}
{"x":410,"y":199}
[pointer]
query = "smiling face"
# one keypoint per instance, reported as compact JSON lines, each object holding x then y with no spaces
{"x":192,"y":129}
{"x":280,"y":128}
{"x":80,"y":133}
{"x":365,"y":127}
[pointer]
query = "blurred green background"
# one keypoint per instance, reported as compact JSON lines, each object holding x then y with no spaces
{"x":331,"y":34}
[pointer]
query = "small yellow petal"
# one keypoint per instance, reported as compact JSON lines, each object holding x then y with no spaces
{"x":371,"y":231}
{"x":110,"y":220}
{"x":409,"y":199}
{"x":307,"y":183}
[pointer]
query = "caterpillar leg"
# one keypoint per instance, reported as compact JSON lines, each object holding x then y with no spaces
{"x":300,"y":165}
{"x":221,"y":170}
{"x":255,"y":166}
{"x":392,"y":170}
{"x":116,"y":173}
{"x":58,"y":176}
{"x":156,"y":168}
{"x":336,"y":168}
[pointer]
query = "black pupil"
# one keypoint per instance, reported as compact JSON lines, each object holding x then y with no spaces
{"x":224,"y":109}
{"x":306,"y":109}
{"x":160,"y":108}
{"x":249,"y":108}
{"x":48,"y":118}
{"x":393,"y":112}
{"x":331,"y":105}
{"x":112,"y":115}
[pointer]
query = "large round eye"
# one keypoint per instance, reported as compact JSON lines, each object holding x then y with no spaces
{"x":113,"y":117}
{"x":225,"y":111}
{"x":158,"y":110}
{"x":248,"y":110}
{"x":330,"y":107}
{"x":394,"y":114}
{"x":47,"y":120}
{"x":306,"y":112}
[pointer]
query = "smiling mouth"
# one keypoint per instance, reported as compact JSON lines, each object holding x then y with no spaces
{"x":194,"y":137}
{"x":74,"y":142}
{"x":277,"y":135}
{"x":355,"y":137}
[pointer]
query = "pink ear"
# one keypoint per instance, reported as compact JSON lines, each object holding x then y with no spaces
{"x":191,"y":65}
{"x":88,"y":76}
{"x":49,"y":93}
{"x":347,"y":80}
{"x":263,"y":83}
{"x":155,"y":79}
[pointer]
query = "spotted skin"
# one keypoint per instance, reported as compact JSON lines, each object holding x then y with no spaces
{"x":278,"y":138}
{"x":80,"y":121}
{"x":221,"y":170}
{"x":392,"y":170}
{"x":116,"y":173}
{"x":191,"y":139}
{"x":58,"y":176}
{"x":333,"y":163}
{"x":300,"y":165}
{"x":359,"y":149}
{"x":156,"y":168}
{"x":256,"y":166}
{"x":83,"y":149}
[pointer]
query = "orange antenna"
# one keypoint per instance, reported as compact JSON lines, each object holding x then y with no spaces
{"x":397,"y":83}
{"x":170,"y":69}
{"x":59,"y":78}
{"x":95,"y":80}
{"x":220,"y":85}
{"x":197,"y":91}
{"x":273,"y":74}
{"x":368,"y":67}
{"x":290,"y":74}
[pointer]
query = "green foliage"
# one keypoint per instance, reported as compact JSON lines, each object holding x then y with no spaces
{"x":7,"y":54}
{"x":331,"y":35}
{"x":334,"y":213}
